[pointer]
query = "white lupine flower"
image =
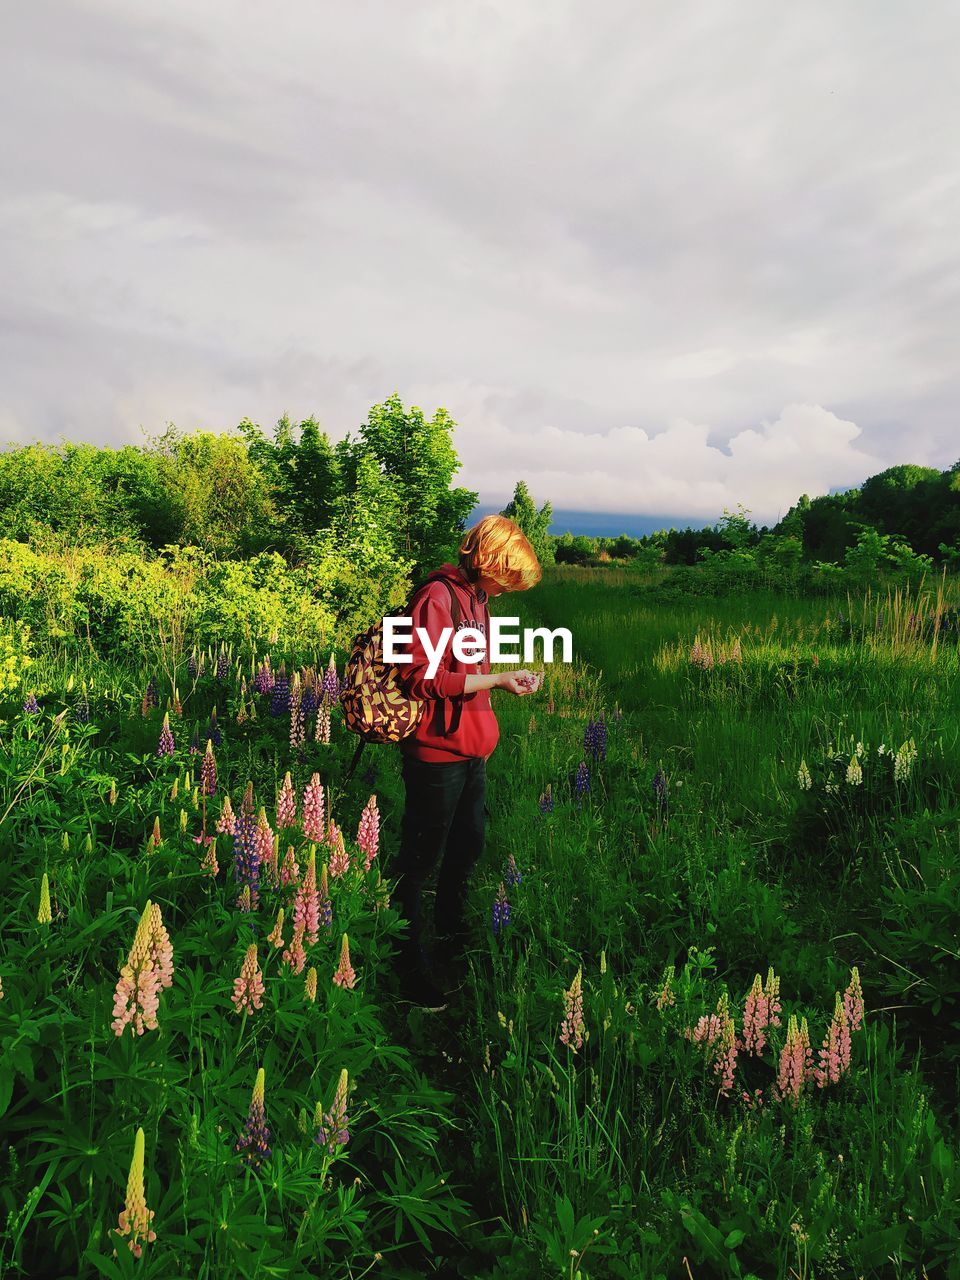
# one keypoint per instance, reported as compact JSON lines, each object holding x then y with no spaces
{"x":861,"y":749}
{"x":803,"y":776}
{"x":854,"y":772}
{"x":904,"y":761}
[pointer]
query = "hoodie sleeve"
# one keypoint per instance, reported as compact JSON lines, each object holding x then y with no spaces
{"x":431,"y":612}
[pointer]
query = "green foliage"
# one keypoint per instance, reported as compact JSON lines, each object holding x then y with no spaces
{"x":534,"y":524}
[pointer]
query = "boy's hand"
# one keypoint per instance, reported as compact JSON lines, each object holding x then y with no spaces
{"x":520,"y":682}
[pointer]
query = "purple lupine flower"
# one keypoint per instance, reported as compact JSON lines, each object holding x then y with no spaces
{"x":600,"y":738}
{"x":153,"y":692}
{"x":330,"y":687}
{"x":263,"y":681}
{"x":246,"y":849}
{"x":223,"y":665}
{"x":588,"y":738}
{"x":511,"y":872}
{"x":213,"y":729}
{"x":195,"y":741}
{"x":31,"y":706}
{"x":546,"y":800}
{"x":165,"y":745}
{"x":279,"y":703}
{"x":208,"y":772}
{"x":308,"y":700}
{"x":332,"y":1127}
{"x":192,"y":666}
{"x":253,"y":1145}
{"x":659,"y":786}
{"x":501,"y":911}
{"x":581,"y":783}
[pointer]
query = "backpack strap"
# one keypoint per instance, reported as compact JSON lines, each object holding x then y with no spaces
{"x":440,"y":726}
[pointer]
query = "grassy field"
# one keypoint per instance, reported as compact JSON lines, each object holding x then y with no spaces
{"x":714,"y":791}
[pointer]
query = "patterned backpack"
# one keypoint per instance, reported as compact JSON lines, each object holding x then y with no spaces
{"x":375,"y":705}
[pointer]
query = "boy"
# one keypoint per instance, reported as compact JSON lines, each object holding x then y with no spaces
{"x":444,"y":759}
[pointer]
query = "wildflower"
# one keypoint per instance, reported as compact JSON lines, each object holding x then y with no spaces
{"x":156,"y":833}
{"x":339,"y":858}
{"x":44,"y":914}
{"x":308,"y":698}
{"x":138,"y":988}
{"x":368,"y":832}
{"x":152,"y":693}
{"x":330,"y":686}
{"x":245,"y":901}
{"x":835,"y":1051}
{"x":771,"y":991}
{"x":511,"y":872}
{"x":313,"y":809}
{"x":345,"y":975}
{"x":210,"y":865}
{"x":725,"y":1061}
{"x":854,"y":772}
{"x":665,"y":995}
{"x":213,"y":729}
{"x":332,"y":1129}
{"x":195,"y":741}
{"x":853,"y":1001}
{"x":804,"y":777}
{"x":226,"y":823}
{"x":381,"y":894}
{"x":31,"y":706}
{"x":581,"y":783}
{"x":253,"y":1145}
{"x":595,"y":738}
{"x":159,"y":947}
{"x":287,"y":803}
{"x":275,"y":936}
{"x":294,"y":956}
{"x":248,"y":988}
{"x":247,"y":849}
{"x":546,"y":800}
{"x":571,"y":1030}
{"x":321,"y":732}
{"x":306,"y":903}
{"x":192,"y":665}
{"x":756,"y":1018}
{"x":298,"y":733}
{"x":264,"y":838}
{"x":263,"y":681}
{"x":280,"y":701}
{"x":501,"y":910}
{"x":290,"y":869}
{"x":208,"y":771}
{"x":795,"y":1061}
{"x":112,"y":795}
{"x":165,"y":745}
{"x":223,"y":666}
{"x":135,"y":1218}
{"x":310,"y":985}
{"x":904,"y":761}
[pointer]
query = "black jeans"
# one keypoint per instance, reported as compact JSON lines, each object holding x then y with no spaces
{"x":443,"y":823}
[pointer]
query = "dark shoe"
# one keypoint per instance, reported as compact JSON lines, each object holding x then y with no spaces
{"x":418,"y":988}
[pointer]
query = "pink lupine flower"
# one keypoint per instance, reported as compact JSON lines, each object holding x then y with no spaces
{"x":322,"y":730}
{"x":287,"y":803}
{"x":297,"y":726}
{"x":571,"y":1030}
{"x":707,"y":1031}
{"x":310,"y":985}
{"x":294,"y":956}
{"x":263,"y":838}
{"x":290,"y":869}
{"x":313,"y":810}
{"x":795,"y":1061}
{"x":1,"y":988}
{"x":227,"y":822}
{"x":137,"y":994}
{"x":306,"y":902}
{"x":339,"y":858}
{"x":160,"y":947}
{"x":772,"y":992}
{"x":835,"y":1051}
{"x":725,"y":1062}
{"x":248,"y":988}
{"x":345,"y":975}
{"x":157,"y":837}
{"x":756,"y":1018}
{"x":853,"y":1001}
{"x":208,"y":771}
{"x":368,"y":833}
{"x":275,"y":937}
{"x":272,"y":864}
{"x":135,"y":1218}
{"x":332,"y":1128}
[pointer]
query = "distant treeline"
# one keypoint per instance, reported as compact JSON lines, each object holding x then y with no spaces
{"x":907,"y":515}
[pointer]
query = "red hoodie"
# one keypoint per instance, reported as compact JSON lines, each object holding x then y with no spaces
{"x":478,"y":731}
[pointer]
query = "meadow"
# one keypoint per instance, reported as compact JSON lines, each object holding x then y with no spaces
{"x":712,"y":1023}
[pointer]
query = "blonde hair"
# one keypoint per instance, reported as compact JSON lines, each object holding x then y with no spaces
{"x":496,"y":548}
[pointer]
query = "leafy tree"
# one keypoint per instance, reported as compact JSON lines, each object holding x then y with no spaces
{"x":534,"y":524}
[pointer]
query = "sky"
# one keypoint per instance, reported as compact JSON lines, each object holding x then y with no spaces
{"x":654,"y":259}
